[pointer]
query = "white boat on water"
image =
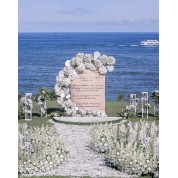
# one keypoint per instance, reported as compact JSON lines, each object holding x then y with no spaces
{"x":149,"y":43}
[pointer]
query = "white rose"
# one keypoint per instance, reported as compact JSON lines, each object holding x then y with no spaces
{"x":88,"y":58}
{"x":104,"y":59}
{"x":67,"y":63}
{"x":87,"y":65}
{"x":78,"y":61}
{"x":93,"y":67}
{"x":102,"y":70}
{"x":68,"y":96}
{"x":79,"y":69}
{"x":62,"y":95}
{"x":111,"y":60}
{"x":73,"y":61}
{"x":81,"y":55}
{"x":96,"y":55}
{"x":68,"y":70}
{"x":98,"y":63}
{"x":110,"y":68}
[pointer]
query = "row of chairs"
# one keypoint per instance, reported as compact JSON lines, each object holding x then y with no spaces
{"x":145,"y":104}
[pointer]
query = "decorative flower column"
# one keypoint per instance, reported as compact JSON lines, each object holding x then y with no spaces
{"x":133,"y":103}
{"x":145,"y":104}
{"x":43,"y":95}
{"x":155,"y":96}
{"x":27,"y":105}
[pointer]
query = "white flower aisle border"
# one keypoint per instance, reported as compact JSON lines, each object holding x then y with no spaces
{"x":77,"y":65}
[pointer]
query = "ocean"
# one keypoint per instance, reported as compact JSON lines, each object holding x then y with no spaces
{"x":42,"y":55}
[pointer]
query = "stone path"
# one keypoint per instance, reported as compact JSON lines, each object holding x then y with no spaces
{"x":82,"y":161}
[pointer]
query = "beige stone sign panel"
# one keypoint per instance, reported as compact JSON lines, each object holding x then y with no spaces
{"x":88,"y":90}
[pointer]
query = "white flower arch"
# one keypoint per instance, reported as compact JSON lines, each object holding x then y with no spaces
{"x":77,"y":65}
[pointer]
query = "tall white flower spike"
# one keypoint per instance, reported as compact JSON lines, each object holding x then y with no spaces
{"x":96,"y":55}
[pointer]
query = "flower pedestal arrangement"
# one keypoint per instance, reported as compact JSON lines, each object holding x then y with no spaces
{"x":43,"y":95}
{"x":155,"y":96}
{"x":27,"y":106}
{"x":145,"y":104}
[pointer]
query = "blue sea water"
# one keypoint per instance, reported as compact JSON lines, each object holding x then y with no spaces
{"x":42,"y":55}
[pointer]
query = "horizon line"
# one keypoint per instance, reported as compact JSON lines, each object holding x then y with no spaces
{"x":92,"y":32}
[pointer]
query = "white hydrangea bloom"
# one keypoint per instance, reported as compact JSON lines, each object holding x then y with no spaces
{"x":104,"y":59}
{"x":79,"y":69}
{"x":67,"y":63}
{"x":110,"y":68}
{"x":103,"y":70}
{"x":78,"y":61}
{"x":81,"y":55}
{"x":88,"y":58}
{"x":98,"y":63}
{"x":72,"y":62}
{"x":93,"y":67}
{"x":111,"y":60}
{"x":68,"y":70}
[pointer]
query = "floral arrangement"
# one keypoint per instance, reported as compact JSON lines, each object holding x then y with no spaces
{"x":56,"y":114}
{"x":147,"y":105}
{"x":102,"y":137}
{"x":26,"y":104}
{"x":20,"y":113}
{"x":77,"y":65}
{"x":128,"y":112}
{"x":40,"y":150}
{"x":136,"y":150}
{"x":42,"y":96}
{"x":155,"y":96}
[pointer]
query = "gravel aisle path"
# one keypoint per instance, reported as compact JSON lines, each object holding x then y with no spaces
{"x":82,"y":161}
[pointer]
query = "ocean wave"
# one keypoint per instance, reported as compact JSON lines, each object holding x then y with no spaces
{"x":134,"y":45}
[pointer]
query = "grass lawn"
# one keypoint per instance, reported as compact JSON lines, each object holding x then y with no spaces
{"x":112,"y":109}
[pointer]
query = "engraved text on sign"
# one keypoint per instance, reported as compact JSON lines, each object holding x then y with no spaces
{"x":88,"y":90}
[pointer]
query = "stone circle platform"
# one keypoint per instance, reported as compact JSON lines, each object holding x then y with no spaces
{"x":86,"y":120}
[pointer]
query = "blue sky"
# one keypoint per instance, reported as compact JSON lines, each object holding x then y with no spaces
{"x":88,"y":15}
